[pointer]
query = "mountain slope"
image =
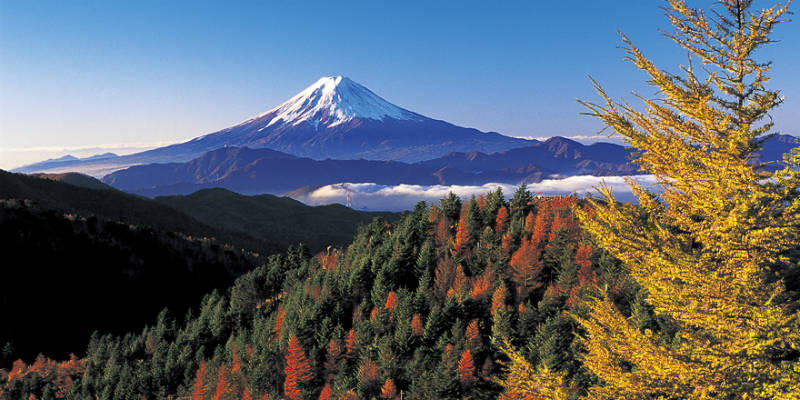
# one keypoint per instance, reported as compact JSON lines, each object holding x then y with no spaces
{"x":254,"y":171}
{"x":338,"y":118}
{"x":265,"y":224}
{"x":268,"y":216}
{"x":64,"y":277}
{"x":557,"y":155}
{"x":76,"y":179}
{"x":333,"y":118}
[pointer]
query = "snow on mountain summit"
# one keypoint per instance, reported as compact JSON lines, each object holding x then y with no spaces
{"x":331,"y":101}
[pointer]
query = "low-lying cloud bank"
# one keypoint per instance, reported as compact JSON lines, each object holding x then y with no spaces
{"x":374,"y":197}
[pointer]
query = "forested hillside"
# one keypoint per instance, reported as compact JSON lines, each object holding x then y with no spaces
{"x":410,"y":307}
{"x":64,"y":276}
{"x":279,"y":220}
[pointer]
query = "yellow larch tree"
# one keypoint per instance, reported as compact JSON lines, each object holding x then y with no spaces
{"x":712,"y":249}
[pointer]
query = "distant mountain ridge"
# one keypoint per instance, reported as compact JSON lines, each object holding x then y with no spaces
{"x":263,"y":223}
{"x":252,"y":171}
{"x":333,"y":118}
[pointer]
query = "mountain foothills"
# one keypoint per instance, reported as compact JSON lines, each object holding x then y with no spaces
{"x":247,"y":170}
{"x":406,"y":309}
{"x":64,"y":247}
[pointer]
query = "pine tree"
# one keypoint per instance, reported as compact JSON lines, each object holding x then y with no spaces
{"x":501,"y":220}
{"x":527,"y":266}
{"x":473,"y":335}
{"x":297,"y":370}
{"x":222,"y":383}
{"x":199,"y":390}
{"x":416,"y":325}
{"x":391,"y":301}
{"x":524,"y":382}
{"x":466,"y":369}
{"x":389,"y":390}
{"x":712,"y":249}
{"x":326,"y":393}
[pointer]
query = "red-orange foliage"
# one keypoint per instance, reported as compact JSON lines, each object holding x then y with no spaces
{"x":222,"y":383}
{"x":328,"y":260}
{"x":326,"y":393}
{"x":236,"y":364}
{"x":506,"y":244}
{"x":473,"y":335}
{"x":334,"y":356}
{"x":350,"y":343}
{"x":462,"y":237}
{"x":246,"y":394}
{"x":199,"y":392}
{"x":368,"y":372}
{"x":60,"y":375}
{"x":442,"y":232}
{"x":526,"y":267}
{"x":435,"y":214}
{"x":466,"y":368}
{"x":349,"y":395}
{"x":540,"y":227}
{"x":529,"y":222}
{"x":459,"y":279}
{"x":499,"y":298}
{"x":480,"y":285}
{"x":443,"y":277}
{"x":583,"y":259}
{"x":502,"y":220}
{"x":416,"y":325}
{"x":391,"y":301}
{"x":279,"y":320}
{"x":373,"y":313}
{"x":389,"y":390}
{"x":297,"y":370}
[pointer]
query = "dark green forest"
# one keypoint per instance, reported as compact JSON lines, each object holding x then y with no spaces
{"x":413,"y":307}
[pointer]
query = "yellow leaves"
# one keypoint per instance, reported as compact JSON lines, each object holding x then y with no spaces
{"x":709,"y":248}
{"x":526,"y":382}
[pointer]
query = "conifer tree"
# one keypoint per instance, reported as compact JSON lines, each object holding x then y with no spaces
{"x":501,"y":220}
{"x":466,"y":368}
{"x":297,"y":370}
{"x":326,"y":393}
{"x":524,"y":382}
{"x":712,"y":249}
{"x":389,"y":390}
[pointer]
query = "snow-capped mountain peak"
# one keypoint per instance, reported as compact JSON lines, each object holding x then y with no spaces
{"x":331,"y":101}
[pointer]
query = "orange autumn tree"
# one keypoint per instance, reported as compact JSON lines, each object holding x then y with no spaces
{"x":501,"y":220}
{"x":389,"y":390}
{"x":391,"y":301}
{"x":326,"y":393}
{"x":199,"y":390}
{"x":298,"y":370}
{"x":526,"y":267}
{"x":462,"y":236}
{"x":416,"y":325}
{"x":466,"y":368}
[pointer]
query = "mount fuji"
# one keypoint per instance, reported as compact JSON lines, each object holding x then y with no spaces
{"x":333,"y":118}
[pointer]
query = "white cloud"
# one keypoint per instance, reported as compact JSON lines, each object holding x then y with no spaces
{"x":585,"y":139}
{"x":371,"y":196}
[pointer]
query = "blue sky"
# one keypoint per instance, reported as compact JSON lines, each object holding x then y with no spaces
{"x":124,"y":75}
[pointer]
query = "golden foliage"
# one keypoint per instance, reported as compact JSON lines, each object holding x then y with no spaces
{"x":524,"y":382}
{"x":712,"y":249}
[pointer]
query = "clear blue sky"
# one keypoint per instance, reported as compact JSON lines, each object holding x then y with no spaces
{"x":86,"y":73}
